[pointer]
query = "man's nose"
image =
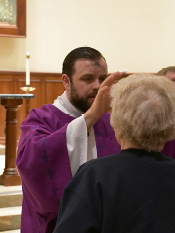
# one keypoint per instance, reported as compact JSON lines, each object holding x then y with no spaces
{"x":96,"y":84}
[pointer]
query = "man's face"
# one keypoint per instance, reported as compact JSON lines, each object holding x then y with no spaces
{"x":86,"y":81}
{"x":170,"y":75}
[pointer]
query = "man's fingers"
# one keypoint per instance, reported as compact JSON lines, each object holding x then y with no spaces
{"x":104,"y":88}
{"x":118,"y":76}
{"x":113,"y":78}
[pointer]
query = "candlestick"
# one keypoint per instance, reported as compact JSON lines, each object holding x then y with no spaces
{"x":27,"y":91}
{"x":27,"y":69}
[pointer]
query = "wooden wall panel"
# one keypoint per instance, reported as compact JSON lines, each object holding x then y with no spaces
{"x":6,"y":87}
{"x":48,"y":87}
{"x":53,"y":89}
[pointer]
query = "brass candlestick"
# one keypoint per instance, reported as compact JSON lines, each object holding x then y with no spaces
{"x":28,"y":90}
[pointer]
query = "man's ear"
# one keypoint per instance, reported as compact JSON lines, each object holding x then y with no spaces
{"x":66,"y":81}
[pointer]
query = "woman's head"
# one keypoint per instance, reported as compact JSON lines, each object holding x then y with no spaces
{"x":143,"y":109}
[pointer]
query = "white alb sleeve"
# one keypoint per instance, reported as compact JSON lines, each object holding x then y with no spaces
{"x":81,"y":147}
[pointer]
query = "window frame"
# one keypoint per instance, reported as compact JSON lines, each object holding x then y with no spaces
{"x":18,"y":30}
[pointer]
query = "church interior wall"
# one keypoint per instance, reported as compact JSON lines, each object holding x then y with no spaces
{"x":134,"y":35}
{"x":137,"y":35}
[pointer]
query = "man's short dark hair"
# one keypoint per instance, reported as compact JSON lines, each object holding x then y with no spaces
{"x":78,"y":53}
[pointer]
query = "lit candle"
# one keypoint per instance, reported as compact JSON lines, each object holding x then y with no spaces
{"x":27,"y":69}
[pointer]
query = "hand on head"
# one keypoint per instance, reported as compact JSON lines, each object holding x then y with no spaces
{"x":101,"y":103}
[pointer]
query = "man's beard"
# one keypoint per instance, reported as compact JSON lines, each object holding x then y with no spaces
{"x":79,"y":102}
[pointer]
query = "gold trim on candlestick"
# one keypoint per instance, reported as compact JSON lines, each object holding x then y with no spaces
{"x":27,"y":90}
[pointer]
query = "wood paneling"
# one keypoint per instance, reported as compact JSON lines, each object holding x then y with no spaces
{"x":51,"y":87}
{"x":48,"y":87}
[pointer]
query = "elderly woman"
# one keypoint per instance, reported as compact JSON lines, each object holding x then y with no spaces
{"x":132,"y":191}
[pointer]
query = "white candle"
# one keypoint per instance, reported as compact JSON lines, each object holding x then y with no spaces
{"x":27,"y":69}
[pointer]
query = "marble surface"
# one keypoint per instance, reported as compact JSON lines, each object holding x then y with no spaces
{"x":10,"y":204}
{"x":10,"y":220}
{"x":10,"y":211}
{"x":12,"y":231}
{"x":10,"y":208}
{"x":2,"y":164}
{"x":9,"y":190}
{"x":16,"y":96}
{"x":2,"y":149}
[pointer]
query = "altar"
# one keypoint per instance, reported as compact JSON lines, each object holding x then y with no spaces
{"x":11,"y":103}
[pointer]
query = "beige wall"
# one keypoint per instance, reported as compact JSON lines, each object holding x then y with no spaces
{"x":138,"y":35}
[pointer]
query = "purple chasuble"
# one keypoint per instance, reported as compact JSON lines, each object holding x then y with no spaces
{"x":43,"y":163}
{"x":169,"y":149}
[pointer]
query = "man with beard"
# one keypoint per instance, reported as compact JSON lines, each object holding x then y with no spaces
{"x":57,"y":138}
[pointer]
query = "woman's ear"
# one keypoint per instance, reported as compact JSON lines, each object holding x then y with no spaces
{"x":66,"y":81}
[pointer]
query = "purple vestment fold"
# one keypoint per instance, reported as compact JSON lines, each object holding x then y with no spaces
{"x":169,"y":149}
{"x":43,"y":163}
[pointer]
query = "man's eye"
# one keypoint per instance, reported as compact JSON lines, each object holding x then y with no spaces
{"x":87,"y":79}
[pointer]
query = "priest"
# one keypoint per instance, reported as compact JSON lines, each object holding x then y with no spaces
{"x":57,"y":138}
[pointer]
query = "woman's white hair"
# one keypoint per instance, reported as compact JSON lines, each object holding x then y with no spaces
{"x":143,"y":108}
